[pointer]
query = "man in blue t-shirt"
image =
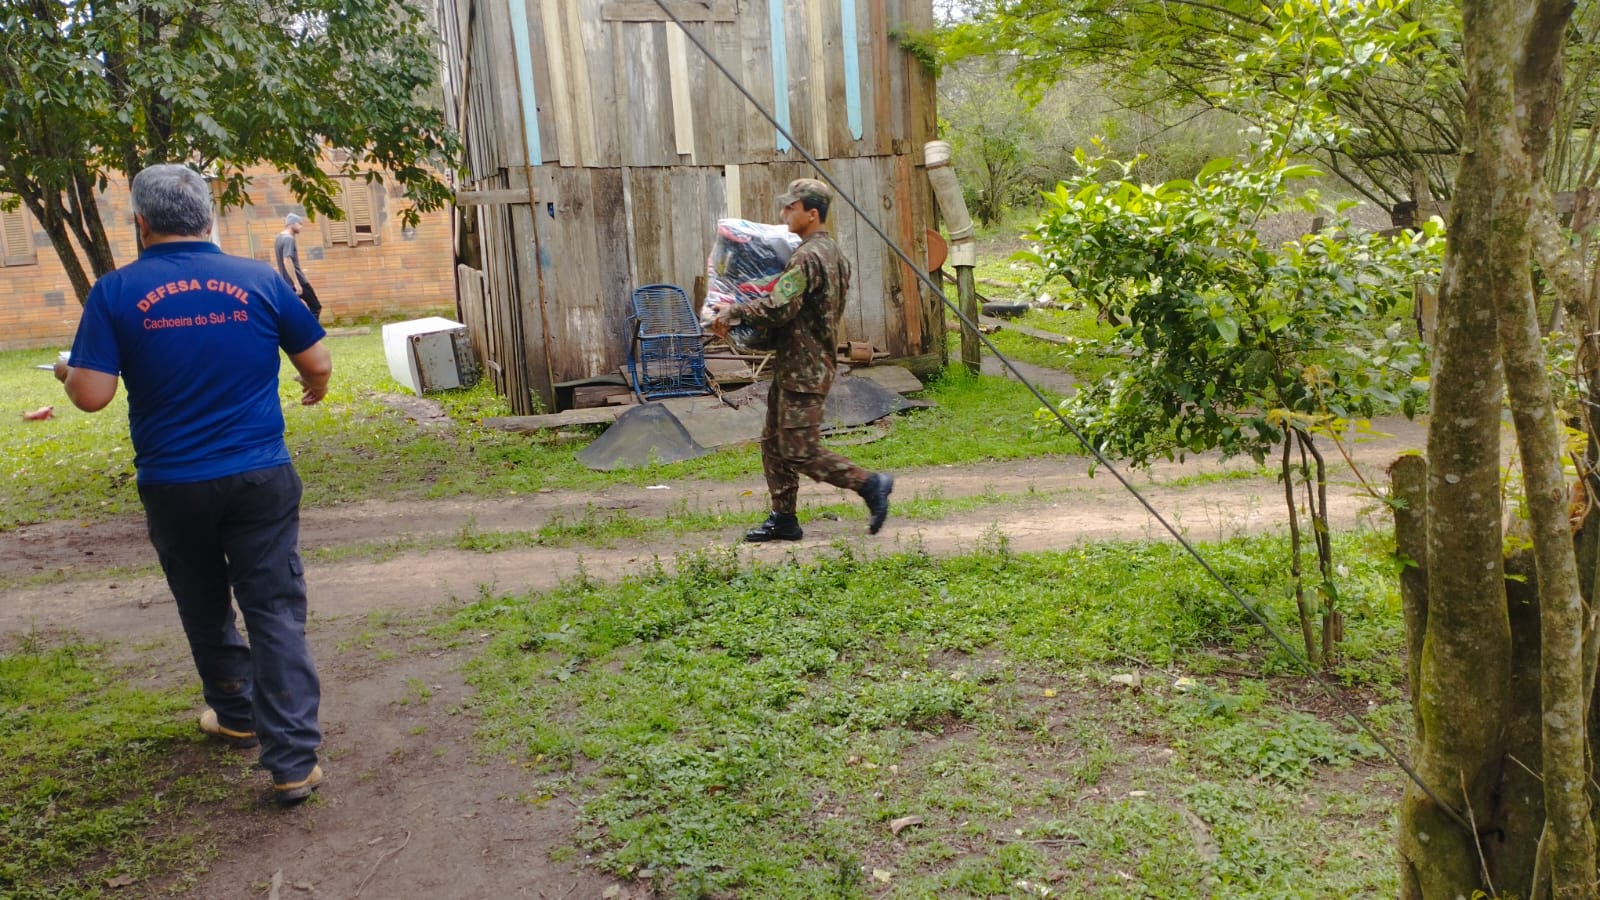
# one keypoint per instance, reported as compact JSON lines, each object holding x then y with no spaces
{"x":195,"y":334}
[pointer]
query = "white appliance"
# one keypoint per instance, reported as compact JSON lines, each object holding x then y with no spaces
{"x":431,"y":354}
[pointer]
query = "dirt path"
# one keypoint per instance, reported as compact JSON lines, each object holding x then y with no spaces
{"x":410,"y":809}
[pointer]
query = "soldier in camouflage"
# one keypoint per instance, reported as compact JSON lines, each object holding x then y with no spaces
{"x":802,"y":312}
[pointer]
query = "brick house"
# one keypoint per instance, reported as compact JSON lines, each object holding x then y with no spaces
{"x":365,"y":266}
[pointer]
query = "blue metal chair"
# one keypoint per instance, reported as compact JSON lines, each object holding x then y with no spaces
{"x":666,"y":347}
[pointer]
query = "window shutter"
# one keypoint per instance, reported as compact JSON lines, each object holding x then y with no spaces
{"x":360,"y":223}
{"x":339,"y":231}
{"x":358,"y":206}
{"x":16,"y":238}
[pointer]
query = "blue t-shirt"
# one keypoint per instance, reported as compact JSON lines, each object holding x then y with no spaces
{"x":194,"y":333}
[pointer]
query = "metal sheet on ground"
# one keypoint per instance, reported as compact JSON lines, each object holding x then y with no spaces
{"x":893,"y":378}
{"x":857,"y":401}
{"x":644,"y":434}
{"x":681,"y":428}
{"x":853,"y":401}
{"x":713,"y":423}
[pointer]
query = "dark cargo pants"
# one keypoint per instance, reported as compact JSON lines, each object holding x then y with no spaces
{"x":242,"y":533}
{"x":308,"y":296}
{"x":791,"y":446}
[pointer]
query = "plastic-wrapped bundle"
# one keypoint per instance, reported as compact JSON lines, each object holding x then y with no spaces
{"x":746,"y":260}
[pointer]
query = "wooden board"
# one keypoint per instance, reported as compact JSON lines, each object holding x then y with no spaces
{"x":629,"y":232}
{"x":584,"y":339}
{"x":816,"y":68}
{"x":708,"y":119}
{"x":882,"y":80}
{"x":528,"y":282}
{"x":474,"y":315}
{"x":685,"y":10}
{"x":796,"y":31}
{"x":603,"y":96}
{"x":583,"y":108}
{"x":756,"y":75}
{"x":544,"y":78}
{"x":652,"y":226}
{"x":502,"y":305}
{"x":729,"y":370}
{"x":503,"y":101}
{"x":910,"y":237}
{"x":840,"y":142}
{"x":899,"y":99}
{"x":716,"y":208}
{"x":756,"y":194}
{"x":924,"y":112}
{"x":683,"y":113}
{"x":733,"y":193}
{"x":646,"y":116}
{"x":614,"y":262}
{"x":849,"y":231}
{"x":871,"y":254}
{"x":692,"y":226}
{"x":592,"y":396}
{"x":721,"y":93}
{"x":555,"y":55}
{"x":529,"y":424}
{"x":624,"y":43}
{"x":496,"y":197}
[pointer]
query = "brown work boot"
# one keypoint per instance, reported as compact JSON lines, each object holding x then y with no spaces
{"x":242,"y":740}
{"x":292,"y":792}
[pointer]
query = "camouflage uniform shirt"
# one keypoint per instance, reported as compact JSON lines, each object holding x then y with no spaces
{"x":803,"y":313}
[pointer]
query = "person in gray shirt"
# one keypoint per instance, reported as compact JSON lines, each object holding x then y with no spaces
{"x":288,"y":253}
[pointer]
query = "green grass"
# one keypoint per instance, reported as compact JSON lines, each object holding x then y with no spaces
{"x":353,"y":447}
{"x":1083,"y":357}
{"x":1018,"y":346}
{"x":1080,"y":323}
{"x":751,"y":730}
{"x":1244,"y":473}
{"x":95,"y":773}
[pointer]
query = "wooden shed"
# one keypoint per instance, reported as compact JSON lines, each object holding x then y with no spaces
{"x":602,"y":145}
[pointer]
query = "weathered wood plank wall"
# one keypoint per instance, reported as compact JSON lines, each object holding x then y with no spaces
{"x":635,"y":145}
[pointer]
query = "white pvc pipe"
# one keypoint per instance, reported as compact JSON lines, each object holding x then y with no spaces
{"x":963,"y":247}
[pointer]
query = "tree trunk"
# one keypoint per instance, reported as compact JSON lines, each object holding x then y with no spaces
{"x":1508,"y":147}
{"x":1479,"y":731}
{"x":1317,"y":506}
{"x":1570,"y":838}
{"x":92,"y":233}
{"x":1308,"y":632}
{"x":1519,"y":819}
{"x":1408,"y":479}
{"x":1464,"y":671}
{"x":47,"y":209}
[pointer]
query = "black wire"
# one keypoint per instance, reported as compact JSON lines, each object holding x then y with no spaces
{"x":1253,"y":610}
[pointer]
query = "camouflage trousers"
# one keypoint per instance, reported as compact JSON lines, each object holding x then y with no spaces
{"x":791,"y":446}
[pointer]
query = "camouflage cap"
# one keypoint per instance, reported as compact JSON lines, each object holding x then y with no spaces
{"x":809,"y":191}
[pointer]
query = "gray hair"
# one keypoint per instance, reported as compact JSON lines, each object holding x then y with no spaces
{"x":174,"y":200}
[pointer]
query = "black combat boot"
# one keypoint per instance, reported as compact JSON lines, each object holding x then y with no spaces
{"x":876,"y":492}
{"x":777,"y":527}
